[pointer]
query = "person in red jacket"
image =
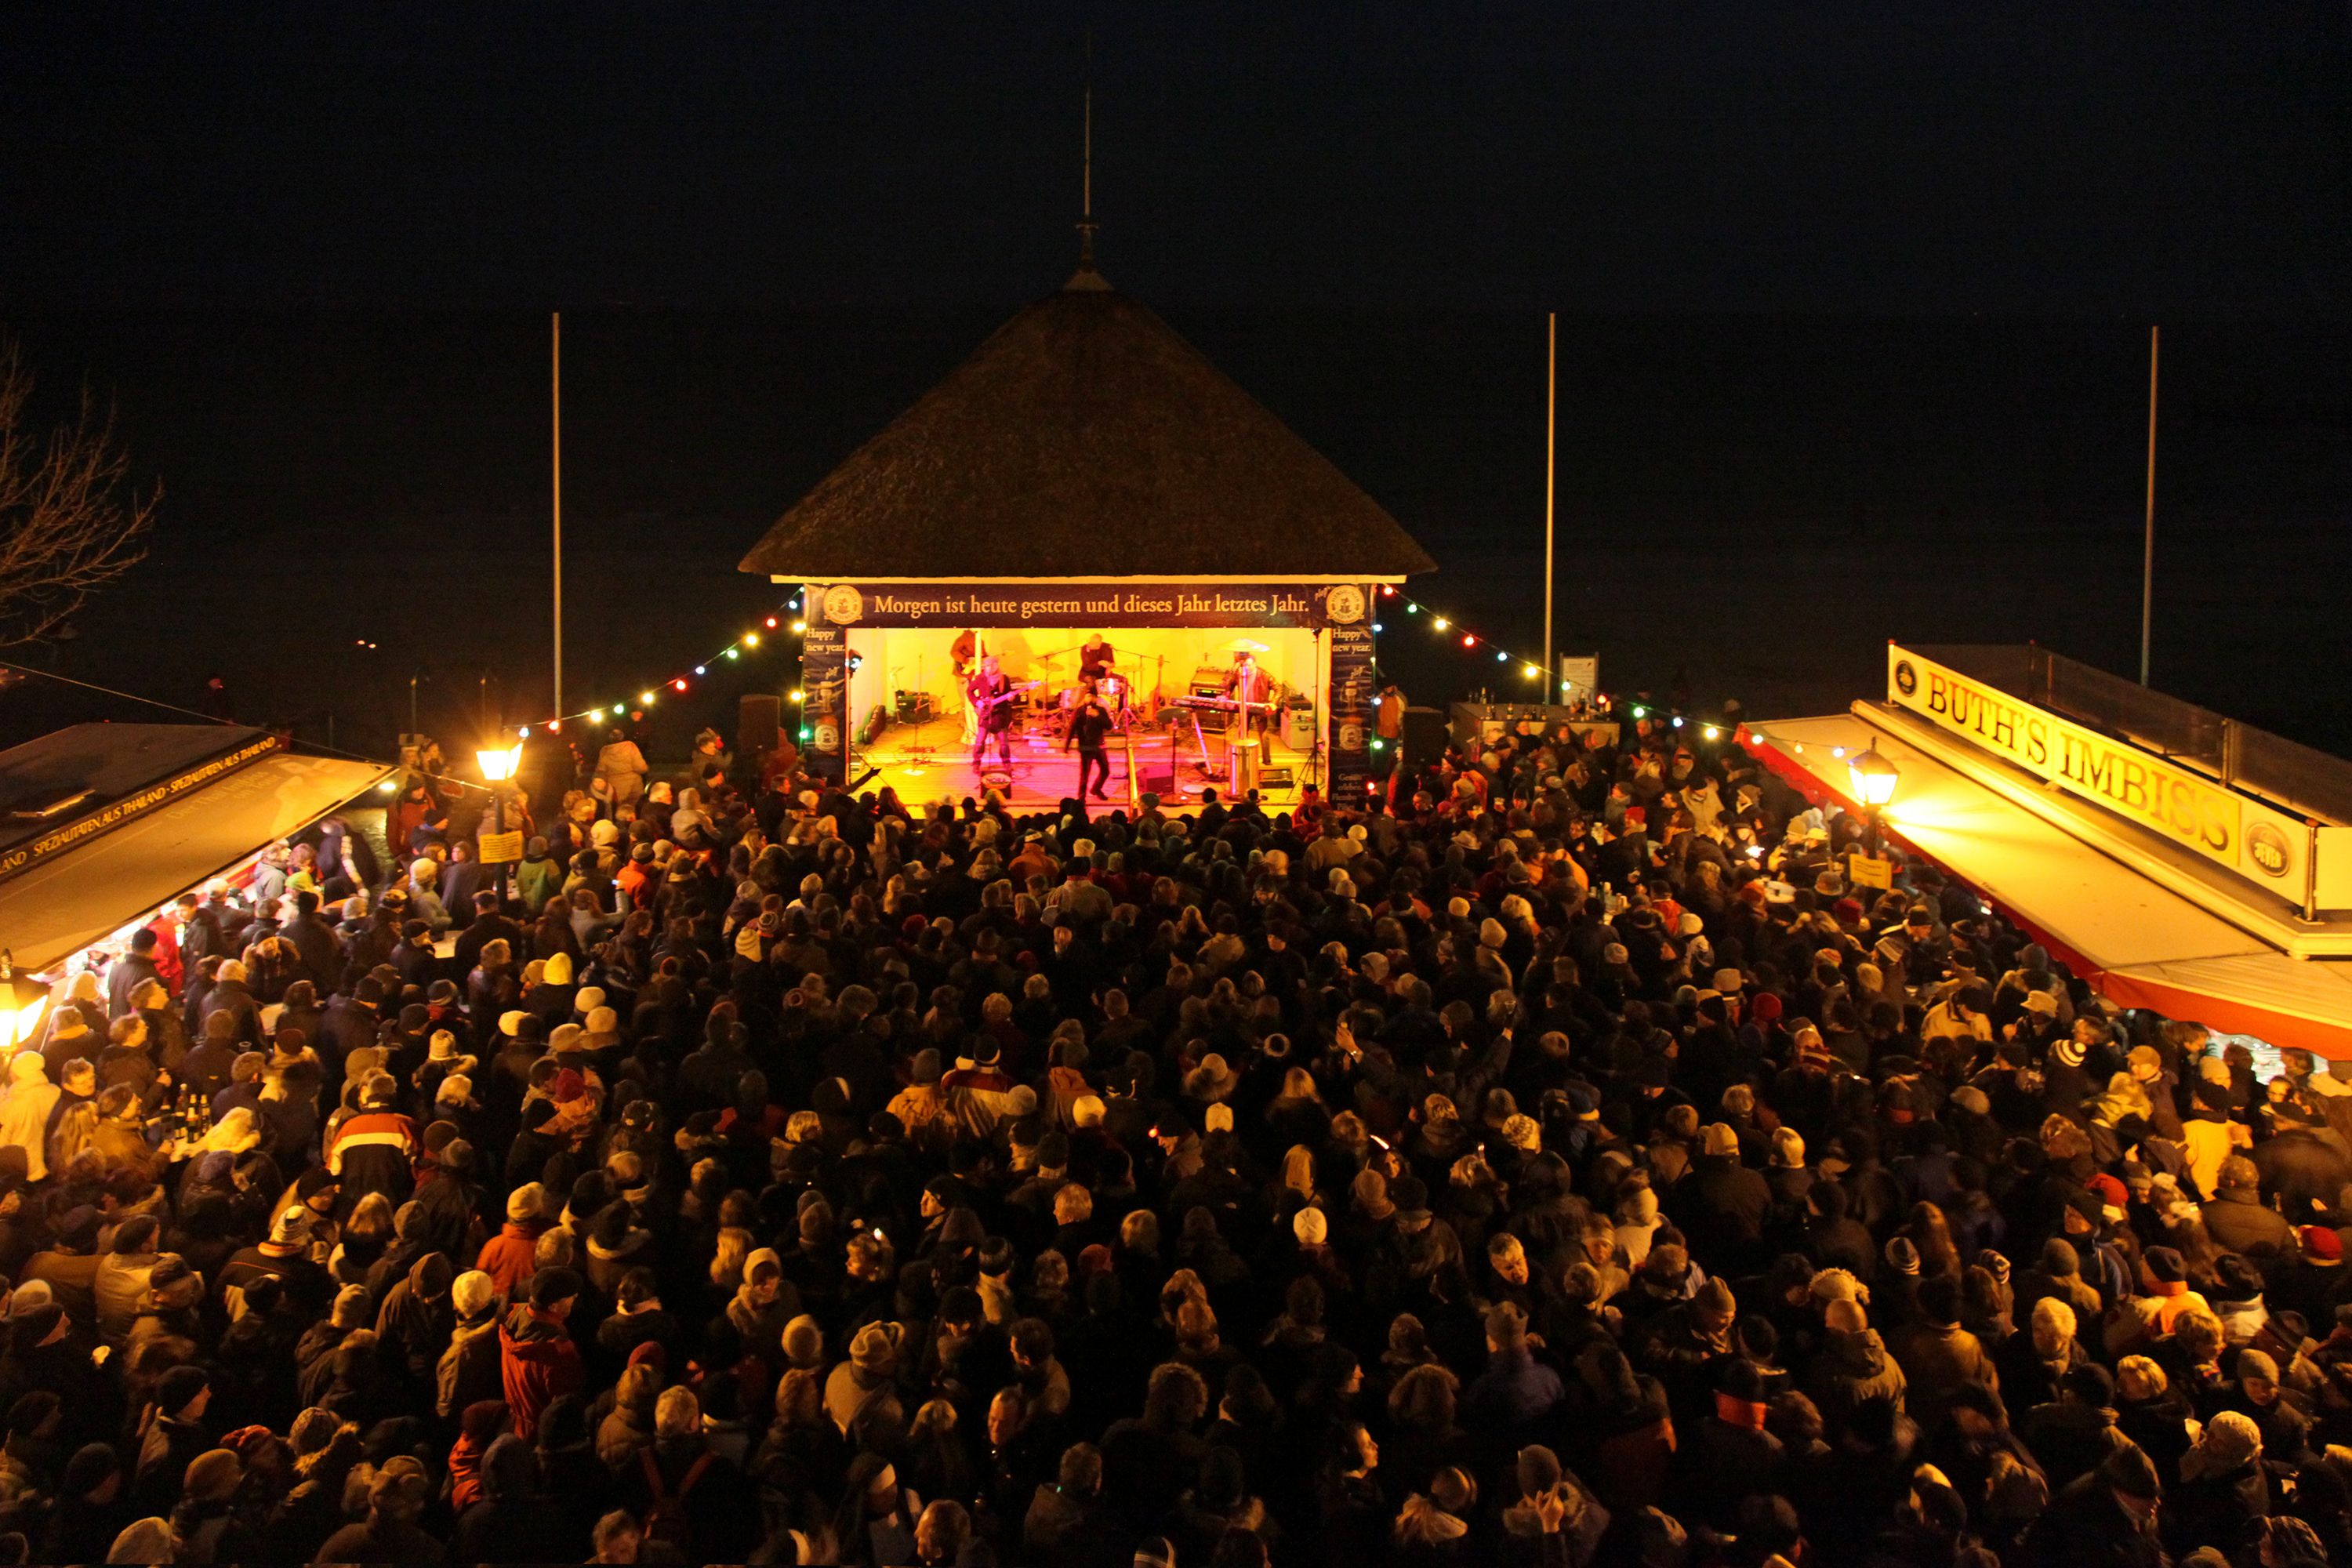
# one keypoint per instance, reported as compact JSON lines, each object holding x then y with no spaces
{"x":536,"y":1357}
{"x":509,"y":1257}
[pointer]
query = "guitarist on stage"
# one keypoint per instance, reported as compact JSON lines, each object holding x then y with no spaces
{"x":991,"y":695}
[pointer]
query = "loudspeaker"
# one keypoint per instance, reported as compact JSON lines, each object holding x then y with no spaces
{"x":758,"y":725}
{"x":1155,"y":773}
{"x":1424,"y":734}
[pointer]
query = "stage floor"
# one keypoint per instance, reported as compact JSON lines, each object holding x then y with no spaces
{"x":928,"y":761}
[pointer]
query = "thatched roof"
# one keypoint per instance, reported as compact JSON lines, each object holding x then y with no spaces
{"x":1086,"y":438}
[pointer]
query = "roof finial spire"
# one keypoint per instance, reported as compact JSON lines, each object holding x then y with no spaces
{"x":1086,"y":225}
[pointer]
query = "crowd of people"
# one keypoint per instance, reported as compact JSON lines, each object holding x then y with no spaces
{"x":1556,"y":1164}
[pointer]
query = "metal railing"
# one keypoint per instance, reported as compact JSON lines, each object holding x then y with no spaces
{"x":2290,"y":775}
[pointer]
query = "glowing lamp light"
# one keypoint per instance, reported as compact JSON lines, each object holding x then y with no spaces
{"x":1376,"y":628}
{"x":555,"y":726}
{"x":800,"y":696}
{"x":596,"y":715}
{"x":498,"y":763}
{"x":772,"y":623}
{"x":750,"y":640}
{"x":389,"y":785}
{"x":1533,"y":673}
{"x":647,"y":697}
{"x":1678,"y":721}
{"x":1380,"y":745}
{"x":679,"y":684}
{"x":701,"y":669}
{"x":22,"y":1001}
{"x":804,"y":731}
{"x":1387,"y":591}
{"x":1468,"y":640}
{"x":1502,"y":658}
{"x":1640,"y":711}
{"x":1874,"y":778}
{"x":1710,"y":731}
{"x":524,"y":733}
{"x":1838,"y":752}
{"x":1411,"y":608}
{"x":1440,"y":623}
{"x":734,"y":653}
{"x":799,"y":627}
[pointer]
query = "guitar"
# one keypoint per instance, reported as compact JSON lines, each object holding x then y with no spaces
{"x":986,"y":706}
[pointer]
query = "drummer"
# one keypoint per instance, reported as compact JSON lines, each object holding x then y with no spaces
{"x":1095,"y":660}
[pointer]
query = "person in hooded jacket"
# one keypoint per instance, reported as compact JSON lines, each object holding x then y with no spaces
{"x":537,"y":1359}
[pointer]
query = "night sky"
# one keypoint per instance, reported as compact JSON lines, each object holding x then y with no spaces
{"x":1853,"y":296}
{"x":2147,"y":157}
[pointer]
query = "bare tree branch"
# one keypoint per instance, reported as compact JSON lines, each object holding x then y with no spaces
{"x":66,"y":528}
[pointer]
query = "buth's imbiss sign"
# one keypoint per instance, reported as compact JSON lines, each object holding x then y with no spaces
{"x":2258,"y":842}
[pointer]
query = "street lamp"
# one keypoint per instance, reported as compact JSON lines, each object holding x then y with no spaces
{"x":22,"y":1001}
{"x":1874,"y":779}
{"x":499,"y":765}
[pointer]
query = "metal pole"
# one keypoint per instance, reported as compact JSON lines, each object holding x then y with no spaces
{"x":2148,"y":554}
{"x":555,"y":352}
{"x":1551,"y":444}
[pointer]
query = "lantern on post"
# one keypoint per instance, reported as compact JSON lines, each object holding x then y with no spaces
{"x":1874,"y":778}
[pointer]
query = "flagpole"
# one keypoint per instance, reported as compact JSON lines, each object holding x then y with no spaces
{"x":1552,"y":445}
{"x":555,"y":351}
{"x":2147,"y":548}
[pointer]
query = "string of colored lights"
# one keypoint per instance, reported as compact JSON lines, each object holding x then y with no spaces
{"x":1448,"y":628}
{"x":679,"y":684}
{"x":1451,"y":629}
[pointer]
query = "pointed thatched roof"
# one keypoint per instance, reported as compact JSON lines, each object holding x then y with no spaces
{"x":1084,"y":438}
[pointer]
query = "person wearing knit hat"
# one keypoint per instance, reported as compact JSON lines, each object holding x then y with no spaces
{"x":2226,"y":1450}
{"x":1719,"y":1140}
{"x":145,"y":1541}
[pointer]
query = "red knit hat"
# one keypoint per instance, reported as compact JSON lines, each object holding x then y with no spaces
{"x":2318,"y":1241}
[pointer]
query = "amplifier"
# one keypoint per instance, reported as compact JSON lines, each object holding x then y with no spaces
{"x":1424,"y":734}
{"x":1282,"y":777}
{"x":759,"y":726}
{"x":917,"y":708}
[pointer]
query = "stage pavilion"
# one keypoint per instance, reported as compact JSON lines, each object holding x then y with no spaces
{"x":1087,"y":473}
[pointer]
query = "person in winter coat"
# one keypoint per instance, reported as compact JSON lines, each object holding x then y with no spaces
{"x":2236,"y":1219}
{"x":1937,"y":1356}
{"x":175,"y":1432}
{"x":2222,"y":1497}
{"x":1852,"y":1367}
{"x":471,"y":1369}
{"x":514,"y":1521}
{"x":2107,"y":1519}
{"x":25,"y":1112}
{"x":417,"y":1316}
{"x":390,"y":1533}
{"x":375,"y":1151}
{"x":208,"y":1524}
{"x":536,"y":1357}
{"x":687,"y":1495}
{"x":509,"y":1256}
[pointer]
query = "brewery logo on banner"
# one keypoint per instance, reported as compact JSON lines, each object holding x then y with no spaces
{"x":824,"y":691}
{"x":1352,"y":689}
